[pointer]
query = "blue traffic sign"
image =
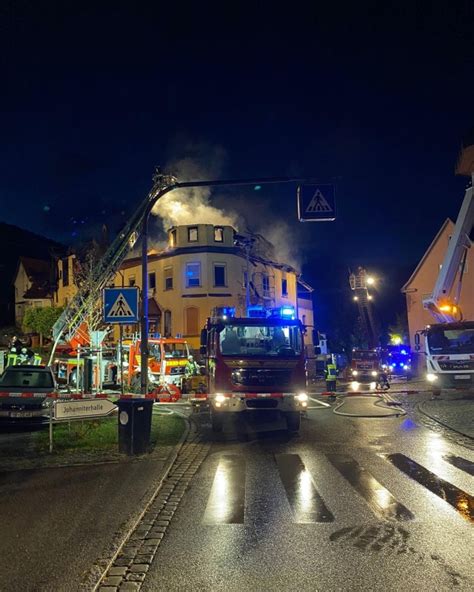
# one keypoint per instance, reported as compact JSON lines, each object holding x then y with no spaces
{"x":120,"y":305}
{"x":316,"y":203}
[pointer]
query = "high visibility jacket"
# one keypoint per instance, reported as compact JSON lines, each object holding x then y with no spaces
{"x":331,"y":372}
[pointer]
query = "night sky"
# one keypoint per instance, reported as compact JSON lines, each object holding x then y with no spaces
{"x":375,"y":98}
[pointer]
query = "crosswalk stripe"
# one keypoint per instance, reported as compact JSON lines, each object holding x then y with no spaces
{"x":459,"y":499}
{"x":379,"y":499}
{"x":226,"y":503}
{"x":460,"y":463}
{"x":307,"y":505}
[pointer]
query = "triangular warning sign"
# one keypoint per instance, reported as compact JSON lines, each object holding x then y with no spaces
{"x":120,"y":308}
{"x":318,"y":203}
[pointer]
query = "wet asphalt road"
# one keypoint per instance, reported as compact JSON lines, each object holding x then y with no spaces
{"x":348,"y":504}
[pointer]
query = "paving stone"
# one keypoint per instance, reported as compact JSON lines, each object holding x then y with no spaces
{"x":122,"y":561}
{"x":112,"y":581}
{"x":155,"y":541}
{"x":162,"y":522}
{"x":108,"y":589}
{"x":145,"y":558}
{"x":158,"y":529}
{"x":135,"y":577}
{"x":139,"y":567}
{"x":117,"y":571}
{"x":129,"y":587}
{"x":155,"y":535}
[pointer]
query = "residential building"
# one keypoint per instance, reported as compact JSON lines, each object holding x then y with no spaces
{"x":34,"y":286}
{"x":207,"y":266}
{"x":423,"y":279}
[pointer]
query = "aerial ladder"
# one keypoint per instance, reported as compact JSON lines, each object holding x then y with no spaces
{"x":359,"y":283}
{"x":449,"y":342}
{"x":74,"y":315}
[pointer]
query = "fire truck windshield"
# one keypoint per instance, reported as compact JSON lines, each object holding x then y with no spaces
{"x":175,"y":350}
{"x":365,"y":355}
{"x":255,"y":340}
{"x":451,"y":341}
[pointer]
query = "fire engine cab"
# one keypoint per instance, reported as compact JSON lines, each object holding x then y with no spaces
{"x":255,"y":363}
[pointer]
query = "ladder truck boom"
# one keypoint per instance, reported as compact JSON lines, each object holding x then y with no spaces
{"x":86,"y":297}
{"x":440,"y":303}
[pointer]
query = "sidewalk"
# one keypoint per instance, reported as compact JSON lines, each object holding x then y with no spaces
{"x":453,"y":410}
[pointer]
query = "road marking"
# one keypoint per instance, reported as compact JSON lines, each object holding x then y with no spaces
{"x":460,"y":463}
{"x":226,"y":503}
{"x":307,"y":505}
{"x":461,"y":501}
{"x":379,"y":499}
{"x":322,"y":403}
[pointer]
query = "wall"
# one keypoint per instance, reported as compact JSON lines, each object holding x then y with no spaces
{"x":423,"y":283}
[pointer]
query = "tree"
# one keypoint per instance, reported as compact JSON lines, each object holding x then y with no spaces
{"x":41,"y":320}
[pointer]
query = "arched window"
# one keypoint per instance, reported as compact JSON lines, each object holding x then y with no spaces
{"x":191,"y":320}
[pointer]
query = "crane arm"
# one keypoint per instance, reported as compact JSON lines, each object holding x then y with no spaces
{"x":439,"y":303}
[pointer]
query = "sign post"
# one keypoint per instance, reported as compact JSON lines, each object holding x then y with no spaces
{"x":316,"y":203}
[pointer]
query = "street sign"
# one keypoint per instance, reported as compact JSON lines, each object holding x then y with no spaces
{"x":316,"y":203}
{"x":120,"y":305}
{"x":83,"y":409}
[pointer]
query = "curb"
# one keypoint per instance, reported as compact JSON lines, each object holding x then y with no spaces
{"x":419,"y":407}
{"x":98,"y":577}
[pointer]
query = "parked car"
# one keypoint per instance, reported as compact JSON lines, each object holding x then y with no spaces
{"x":24,"y":390}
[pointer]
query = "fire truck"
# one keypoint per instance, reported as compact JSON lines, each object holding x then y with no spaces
{"x":366,"y":365}
{"x":255,"y":363}
{"x":397,"y":360}
{"x":166,"y":362}
{"x":449,"y":343}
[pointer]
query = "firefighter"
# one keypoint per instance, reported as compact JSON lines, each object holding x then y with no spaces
{"x":191,"y":369}
{"x":330,"y":375}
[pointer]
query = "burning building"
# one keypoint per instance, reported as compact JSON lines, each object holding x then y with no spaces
{"x":205,"y":266}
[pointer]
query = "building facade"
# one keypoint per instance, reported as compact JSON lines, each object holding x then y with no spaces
{"x":205,"y":267}
{"x":34,"y":286}
{"x":422,"y":281}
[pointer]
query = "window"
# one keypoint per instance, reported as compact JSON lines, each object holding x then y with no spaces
{"x":193,"y":275}
{"x":192,"y":234}
{"x":131,"y":280}
{"x":65,"y":272}
{"x":168,"y":278}
{"x":152,"y":280}
{"x":173,"y":238}
{"x":191,"y":320}
{"x":284,"y":287}
{"x":265,"y":284}
{"x":167,"y":323}
{"x":218,"y":234}
{"x":219,"y":275}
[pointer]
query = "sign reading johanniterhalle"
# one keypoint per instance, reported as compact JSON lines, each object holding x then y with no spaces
{"x":83,"y":409}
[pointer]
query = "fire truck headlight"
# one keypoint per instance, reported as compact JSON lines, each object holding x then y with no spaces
{"x":431,"y":377}
{"x":219,"y":398}
{"x":354,"y":373}
{"x":354,"y":385}
{"x":374,"y":373}
{"x":405,"y":367}
{"x":302,"y":397}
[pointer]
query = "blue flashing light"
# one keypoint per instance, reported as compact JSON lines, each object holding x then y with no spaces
{"x":287,"y":312}
{"x":256,"y":312}
{"x":393,"y":365}
{"x":404,"y":352}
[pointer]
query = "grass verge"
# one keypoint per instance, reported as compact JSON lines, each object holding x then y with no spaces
{"x":102,"y":435}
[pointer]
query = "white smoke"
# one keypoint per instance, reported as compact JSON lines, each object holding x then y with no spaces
{"x":192,"y":205}
{"x":285,"y":243}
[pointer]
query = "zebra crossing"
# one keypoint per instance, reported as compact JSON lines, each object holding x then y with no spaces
{"x":230,"y":492}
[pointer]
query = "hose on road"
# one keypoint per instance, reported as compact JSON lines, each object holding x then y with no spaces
{"x":396,"y":412}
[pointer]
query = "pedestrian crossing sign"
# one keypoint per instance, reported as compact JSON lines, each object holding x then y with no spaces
{"x":120,"y":305}
{"x":316,"y":203}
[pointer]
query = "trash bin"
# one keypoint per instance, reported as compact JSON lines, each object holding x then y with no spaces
{"x":134,"y":425}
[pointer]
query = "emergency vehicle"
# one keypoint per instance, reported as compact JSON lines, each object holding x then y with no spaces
{"x":255,"y":363}
{"x":365,"y":365}
{"x":397,"y":360}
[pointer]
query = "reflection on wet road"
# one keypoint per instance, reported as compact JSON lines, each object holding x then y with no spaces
{"x":226,"y":503}
{"x":307,"y":505}
{"x":460,"y":463}
{"x":459,"y":499}
{"x":380,"y":500}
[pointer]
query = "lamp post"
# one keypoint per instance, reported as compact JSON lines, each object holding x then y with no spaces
{"x":163,"y":184}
